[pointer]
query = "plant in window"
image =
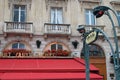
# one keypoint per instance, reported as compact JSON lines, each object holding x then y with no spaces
{"x":59,"y":52}
{"x":65,"y":53}
{"x":47,"y":53}
{"x":16,"y":52}
{"x":53,"y":52}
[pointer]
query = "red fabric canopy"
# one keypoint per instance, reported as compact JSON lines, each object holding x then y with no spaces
{"x":38,"y":76}
{"x":51,"y":68}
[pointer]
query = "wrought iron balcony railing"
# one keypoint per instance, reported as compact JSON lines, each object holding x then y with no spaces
{"x":57,"y":28}
{"x":18,"y":27}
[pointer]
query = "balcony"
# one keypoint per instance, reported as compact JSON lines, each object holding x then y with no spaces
{"x":18,"y":27}
{"x":90,"y":1}
{"x":57,"y":29}
{"x":89,"y":28}
{"x":115,"y":2}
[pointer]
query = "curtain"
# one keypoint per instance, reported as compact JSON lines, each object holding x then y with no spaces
{"x":52,"y":16}
{"x":90,"y":19}
{"x":59,"y":16}
{"x":56,"y":16}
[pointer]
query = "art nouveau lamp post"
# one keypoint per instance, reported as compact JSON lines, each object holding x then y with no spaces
{"x":88,"y":37}
{"x":82,"y":30}
{"x":98,"y":12}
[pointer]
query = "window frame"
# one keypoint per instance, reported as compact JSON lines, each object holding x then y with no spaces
{"x":19,"y":12}
{"x":99,"y":51}
{"x":56,"y":46}
{"x":18,"y":45}
{"x":56,"y":10}
{"x":89,"y":14}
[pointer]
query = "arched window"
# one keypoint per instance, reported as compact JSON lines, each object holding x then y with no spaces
{"x":56,"y":47}
{"x":94,"y":50}
{"x":18,"y":46}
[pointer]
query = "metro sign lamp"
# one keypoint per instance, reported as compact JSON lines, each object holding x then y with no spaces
{"x":98,"y":12}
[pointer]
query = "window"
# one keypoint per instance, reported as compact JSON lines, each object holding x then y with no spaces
{"x":19,"y":13}
{"x":90,"y":18}
{"x":56,"y":15}
{"x":118,"y":13}
{"x":94,"y":50}
{"x":18,"y":46}
{"x":56,"y":46}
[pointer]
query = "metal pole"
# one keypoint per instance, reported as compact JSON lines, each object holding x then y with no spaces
{"x":116,"y":17}
{"x":116,"y":53}
{"x":86,"y":57}
{"x":108,"y":40}
{"x":97,"y":13}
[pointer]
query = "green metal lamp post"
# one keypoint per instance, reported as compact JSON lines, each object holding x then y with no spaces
{"x":98,"y":12}
{"x":82,"y":30}
{"x":88,"y":37}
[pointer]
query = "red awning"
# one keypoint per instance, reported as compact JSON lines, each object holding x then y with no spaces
{"x":51,"y":68}
{"x":52,"y":76}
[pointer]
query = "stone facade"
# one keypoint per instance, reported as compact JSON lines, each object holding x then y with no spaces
{"x":38,"y":13}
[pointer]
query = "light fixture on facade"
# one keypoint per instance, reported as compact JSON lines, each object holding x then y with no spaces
{"x":38,"y":43}
{"x":75,"y":44}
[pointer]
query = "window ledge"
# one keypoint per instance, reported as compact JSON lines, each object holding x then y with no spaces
{"x":115,"y":2}
{"x":90,"y":1}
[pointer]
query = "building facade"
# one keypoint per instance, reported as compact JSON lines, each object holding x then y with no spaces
{"x":39,"y":28}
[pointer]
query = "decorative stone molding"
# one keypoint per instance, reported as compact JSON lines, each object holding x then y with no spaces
{"x":90,"y":1}
{"x":115,"y":2}
{"x":20,"y":2}
{"x":56,"y":2}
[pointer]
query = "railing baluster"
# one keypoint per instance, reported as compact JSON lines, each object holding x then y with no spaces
{"x":57,"y":28}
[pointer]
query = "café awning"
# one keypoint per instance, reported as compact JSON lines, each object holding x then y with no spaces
{"x":46,"y":69}
{"x":47,"y":76}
